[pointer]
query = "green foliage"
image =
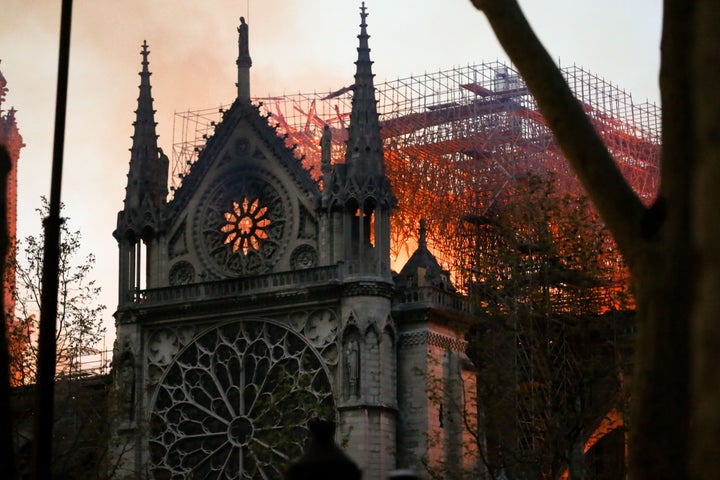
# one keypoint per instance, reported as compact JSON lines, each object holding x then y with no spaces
{"x":79,"y":324}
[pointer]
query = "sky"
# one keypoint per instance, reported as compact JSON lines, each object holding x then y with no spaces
{"x":296,"y":46}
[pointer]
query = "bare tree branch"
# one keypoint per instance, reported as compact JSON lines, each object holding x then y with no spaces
{"x":618,"y":204}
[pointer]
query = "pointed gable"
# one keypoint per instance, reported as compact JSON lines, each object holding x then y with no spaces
{"x":241,"y":123}
{"x":247,"y":202}
{"x":247,"y":205}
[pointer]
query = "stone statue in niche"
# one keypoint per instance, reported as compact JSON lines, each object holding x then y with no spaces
{"x":352,"y":367}
{"x":126,"y":383}
{"x":372,"y":386}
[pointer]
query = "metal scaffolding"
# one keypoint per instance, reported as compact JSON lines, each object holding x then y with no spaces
{"x":458,"y":142}
{"x":455,"y":141}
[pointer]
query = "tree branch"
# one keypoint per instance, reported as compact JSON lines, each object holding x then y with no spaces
{"x":618,"y":204}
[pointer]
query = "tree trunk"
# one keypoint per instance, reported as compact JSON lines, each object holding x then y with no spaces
{"x":577,"y":467}
{"x":705,"y":422}
{"x":659,"y":403}
{"x":667,"y":264}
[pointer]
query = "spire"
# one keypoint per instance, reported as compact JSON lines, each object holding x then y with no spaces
{"x":144,"y":136}
{"x":422,"y":237}
{"x":364,"y":154}
{"x":148,"y":165}
{"x":244,"y":62}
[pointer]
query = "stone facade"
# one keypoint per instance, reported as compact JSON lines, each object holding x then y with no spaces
{"x":255,"y":300}
{"x":12,"y":141}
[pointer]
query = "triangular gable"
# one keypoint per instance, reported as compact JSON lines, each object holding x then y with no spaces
{"x":246,"y":117}
{"x":247,"y":206}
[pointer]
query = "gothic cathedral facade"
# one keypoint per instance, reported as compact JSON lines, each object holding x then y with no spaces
{"x":258,"y":297}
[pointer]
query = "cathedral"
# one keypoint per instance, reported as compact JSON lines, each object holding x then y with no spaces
{"x":258,"y":298}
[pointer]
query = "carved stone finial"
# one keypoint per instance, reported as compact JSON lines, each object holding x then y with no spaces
{"x":422,"y":241}
{"x":145,"y":52}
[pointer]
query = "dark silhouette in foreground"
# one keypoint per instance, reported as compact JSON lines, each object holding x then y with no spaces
{"x":323,"y":459}
{"x":402,"y":474}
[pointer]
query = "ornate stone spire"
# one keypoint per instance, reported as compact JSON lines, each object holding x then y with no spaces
{"x":358,"y":192}
{"x":148,"y":165}
{"x":144,"y":135}
{"x":244,"y":62}
{"x":364,"y":156}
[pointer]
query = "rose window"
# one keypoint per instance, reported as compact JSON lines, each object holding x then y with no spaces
{"x":243,"y":225}
{"x":235,"y":403}
{"x":246,"y":225}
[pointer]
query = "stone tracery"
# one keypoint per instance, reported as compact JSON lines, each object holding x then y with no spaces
{"x":234,"y":403}
{"x":246,"y":224}
{"x":243,"y":224}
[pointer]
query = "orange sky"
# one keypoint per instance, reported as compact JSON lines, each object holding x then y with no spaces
{"x":296,"y":46}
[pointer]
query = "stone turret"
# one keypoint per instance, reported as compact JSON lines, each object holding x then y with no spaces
{"x":358,"y":197}
{"x":360,"y":201}
{"x":422,"y":268}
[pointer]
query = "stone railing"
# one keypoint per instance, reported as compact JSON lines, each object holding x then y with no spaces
{"x":421,"y":296}
{"x":434,"y":297}
{"x":239,"y":286}
{"x":365,"y":268}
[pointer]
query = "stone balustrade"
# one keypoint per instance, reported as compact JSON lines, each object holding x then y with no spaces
{"x":240,"y":286}
{"x":276,"y":282}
